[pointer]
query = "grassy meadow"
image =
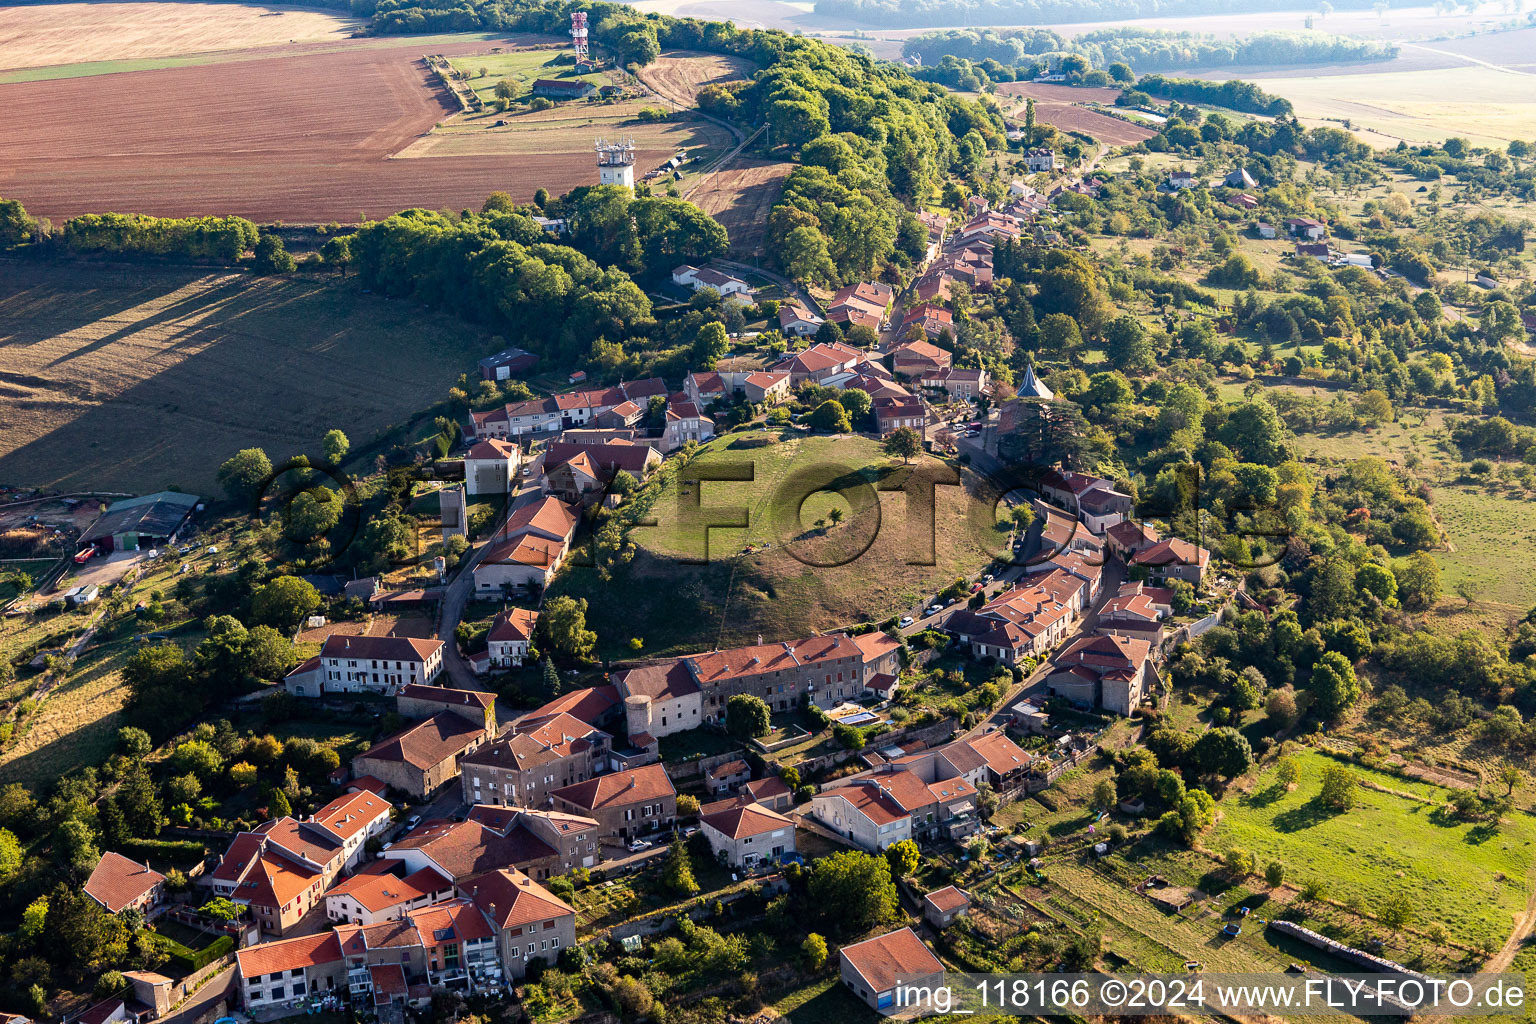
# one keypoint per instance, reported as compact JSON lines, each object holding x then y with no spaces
{"x":1471,"y":877}
{"x":732,"y":583}
{"x":521,"y":68}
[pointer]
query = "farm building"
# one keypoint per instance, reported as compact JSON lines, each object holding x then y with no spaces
{"x":507,"y":363}
{"x":562,"y":89}
{"x":151,"y":521}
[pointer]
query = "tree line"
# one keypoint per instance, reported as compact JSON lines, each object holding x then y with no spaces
{"x":1143,"y":50}
{"x":938,"y":13}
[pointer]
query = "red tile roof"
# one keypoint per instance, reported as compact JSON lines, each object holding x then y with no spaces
{"x":510,"y":899}
{"x":379,"y":892}
{"x":117,"y":881}
{"x":292,"y":954}
{"x":429,"y":742}
{"x":746,"y":819}
{"x":947,"y":899}
{"x":550,"y":516}
{"x":351,"y":813}
{"x":589,"y":704}
{"x":446,"y":695}
{"x":388,"y":983}
{"x":379,"y":648}
{"x":620,"y":789}
{"x":885,"y":961}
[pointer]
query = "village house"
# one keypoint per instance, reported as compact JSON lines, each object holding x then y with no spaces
{"x":723,"y":778}
{"x":867,"y":815}
{"x":537,"y":757}
{"x":542,"y":843}
{"x":490,"y":467}
{"x":118,"y":884}
{"x":510,"y":634}
{"x":563,"y":411}
{"x":934,"y":320}
{"x":1181,"y":179}
{"x":747,"y":834}
{"x":1099,"y":506}
{"x":685,"y":423}
{"x":531,"y":923}
{"x":351,"y":820}
{"x":942,"y":907}
{"x":1243,"y":201}
{"x":660,"y":698}
{"x":1108,"y":671}
{"x":530,"y":548}
{"x":892,"y":414}
{"x":863,"y":304}
{"x":367,"y":664}
{"x":1127,"y":538}
{"x":626,"y":804}
{"x":424,"y":757}
{"x":1265,"y":229}
{"x":1305,"y":227}
{"x":279,"y":871}
{"x":797,"y":321}
{"x":875,"y":968}
{"x":1132,"y":614}
{"x":820,"y":361}
{"x":707,"y":277}
{"x":290,"y":971}
{"x":384,"y":892}
{"x":1173,"y":558}
{"x":919,"y":359}
{"x":1039,"y":160}
{"x":966,"y":385}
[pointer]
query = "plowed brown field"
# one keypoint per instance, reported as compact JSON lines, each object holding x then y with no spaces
{"x":300,"y":137}
{"x":1056,"y":105}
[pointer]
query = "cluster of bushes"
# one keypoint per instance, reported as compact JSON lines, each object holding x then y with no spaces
{"x":205,"y":238}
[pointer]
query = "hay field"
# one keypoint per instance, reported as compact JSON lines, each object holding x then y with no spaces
{"x":137,"y":378}
{"x":564,"y":134}
{"x":678,"y":75}
{"x":1487,"y":105}
{"x":47,"y":34}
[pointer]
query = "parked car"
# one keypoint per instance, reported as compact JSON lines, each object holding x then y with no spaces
{"x":934,"y":609}
{"x":906,"y":620}
{"x":639,"y":844}
{"x":412,"y":822}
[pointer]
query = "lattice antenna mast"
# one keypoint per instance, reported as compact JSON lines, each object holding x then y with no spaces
{"x":579,"y":37}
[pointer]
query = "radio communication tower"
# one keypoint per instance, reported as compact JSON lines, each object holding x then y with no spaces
{"x":616,"y":161}
{"x":579,"y":37}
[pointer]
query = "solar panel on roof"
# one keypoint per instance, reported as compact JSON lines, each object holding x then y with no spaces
{"x":443,"y":933}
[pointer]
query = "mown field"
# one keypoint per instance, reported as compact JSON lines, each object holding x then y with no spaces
{"x":730,"y":584}
{"x":1489,"y":105}
{"x":40,"y":35}
{"x":1472,"y":877}
{"x":521,"y":68}
{"x":135,"y":379}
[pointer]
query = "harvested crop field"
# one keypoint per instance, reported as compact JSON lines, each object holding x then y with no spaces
{"x":562,"y":136}
{"x":305,"y":136}
{"x":135,"y":378}
{"x":678,"y":75}
{"x":740,"y":197}
{"x":1057,"y":93}
{"x":1058,"y":106}
{"x":45,"y":34}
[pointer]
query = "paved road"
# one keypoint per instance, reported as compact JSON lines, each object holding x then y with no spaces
{"x":220,"y":986}
{"x":457,"y":595}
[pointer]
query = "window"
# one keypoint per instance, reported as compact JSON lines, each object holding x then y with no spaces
{"x":277,"y":992}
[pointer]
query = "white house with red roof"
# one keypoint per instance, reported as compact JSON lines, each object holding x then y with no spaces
{"x":863,"y":812}
{"x":746,"y":834}
{"x":351,"y":820}
{"x":385,"y":894}
{"x":373,"y":664}
{"x":510,"y":634}
{"x":797,"y":321}
{"x":707,"y":277}
{"x":490,"y":467}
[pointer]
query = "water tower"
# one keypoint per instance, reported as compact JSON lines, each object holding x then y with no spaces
{"x":579,"y":37}
{"x":616,"y":162}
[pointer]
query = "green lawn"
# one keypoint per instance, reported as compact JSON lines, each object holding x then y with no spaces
{"x":1471,"y":877}
{"x":708,"y":584}
{"x":520,"y":68}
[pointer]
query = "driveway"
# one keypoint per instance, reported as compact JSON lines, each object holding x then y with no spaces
{"x":208,"y":1000}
